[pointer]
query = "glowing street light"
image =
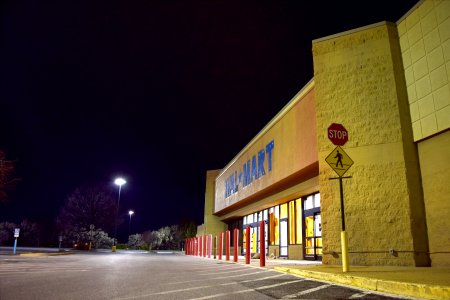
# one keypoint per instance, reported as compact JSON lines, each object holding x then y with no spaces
{"x":119,"y":181}
{"x":129,"y":224}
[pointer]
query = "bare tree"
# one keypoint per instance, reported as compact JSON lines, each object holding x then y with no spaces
{"x":30,"y":233}
{"x":7,"y":233}
{"x":87,"y":206}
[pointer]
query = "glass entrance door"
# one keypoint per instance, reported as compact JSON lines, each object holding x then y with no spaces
{"x":312,"y":228}
{"x":283,"y":238}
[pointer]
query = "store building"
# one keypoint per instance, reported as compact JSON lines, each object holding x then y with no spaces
{"x":388,"y":84}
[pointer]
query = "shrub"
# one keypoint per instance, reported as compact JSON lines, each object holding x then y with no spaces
{"x":121,"y":246}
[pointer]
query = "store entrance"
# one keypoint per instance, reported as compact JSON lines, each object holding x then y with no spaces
{"x":312,"y":228}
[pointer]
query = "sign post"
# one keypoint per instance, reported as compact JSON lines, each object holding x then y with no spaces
{"x":16,"y":235}
{"x":340,"y":162}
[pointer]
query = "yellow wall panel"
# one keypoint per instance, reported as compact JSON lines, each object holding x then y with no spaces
{"x":360,"y":83}
{"x":443,"y":118}
{"x":435,"y":171}
{"x":427,"y":29}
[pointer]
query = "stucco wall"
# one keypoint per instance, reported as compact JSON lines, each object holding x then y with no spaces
{"x":359,"y":83}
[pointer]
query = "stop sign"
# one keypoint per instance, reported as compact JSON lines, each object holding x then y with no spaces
{"x":337,"y":134}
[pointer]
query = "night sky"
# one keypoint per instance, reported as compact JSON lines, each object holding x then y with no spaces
{"x":155,"y":91}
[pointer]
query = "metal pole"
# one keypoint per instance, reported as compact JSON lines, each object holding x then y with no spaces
{"x":344,"y":238}
{"x":15,"y":245}
{"x":341,"y":191}
{"x":115,"y":220}
{"x":129,"y":225}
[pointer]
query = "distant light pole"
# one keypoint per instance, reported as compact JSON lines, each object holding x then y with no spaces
{"x":119,"y":181}
{"x":129,"y":224}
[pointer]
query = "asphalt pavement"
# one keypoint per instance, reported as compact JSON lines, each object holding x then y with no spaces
{"x":421,"y":283}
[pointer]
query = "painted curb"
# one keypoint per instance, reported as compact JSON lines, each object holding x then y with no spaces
{"x":415,"y":290}
{"x":44,"y":254}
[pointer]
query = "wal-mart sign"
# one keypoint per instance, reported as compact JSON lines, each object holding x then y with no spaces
{"x":252,"y":170}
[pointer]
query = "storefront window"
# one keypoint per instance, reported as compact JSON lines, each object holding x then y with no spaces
{"x":250,"y":219}
{"x":298,"y":221}
{"x":276,"y":228}
{"x":309,"y":203}
{"x":309,"y":235}
{"x":317,"y":200}
{"x":292,"y":227}
{"x":313,"y":227}
{"x":283,"y":211}
{"x":274,"y":223}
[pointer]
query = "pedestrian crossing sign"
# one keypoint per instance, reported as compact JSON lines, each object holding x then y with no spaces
{"x":339,"y":161}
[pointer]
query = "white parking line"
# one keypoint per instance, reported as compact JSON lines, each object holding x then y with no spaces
{"x":221,"y":277}
{"x":224,"y":272}
{"x":247,"y":290}
{"x":306,"y":292}
{"x":209,"y":286}
{"x":359,"y":295}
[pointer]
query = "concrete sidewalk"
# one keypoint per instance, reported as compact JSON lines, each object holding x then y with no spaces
{"x":425,"y":283}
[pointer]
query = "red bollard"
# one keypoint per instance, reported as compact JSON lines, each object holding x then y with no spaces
{"x":215,"y":246}
{"x":262,"y":245}
{"x":186,"y":246}
{"x":204,"y":245}
{"x":247,"y":245}
{"x":227,"y":245}
{"x":209,"y":245}
{"x":220,"y":245}
{"x":200,"y":245}
{"x":235,"y":248}
{"x":196,"y":246}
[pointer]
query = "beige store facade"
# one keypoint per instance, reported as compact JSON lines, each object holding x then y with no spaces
{"x":388,"y":84}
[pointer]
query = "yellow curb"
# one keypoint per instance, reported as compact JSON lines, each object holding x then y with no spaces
{"x":35,"y":254}
{"x":425,"y":291}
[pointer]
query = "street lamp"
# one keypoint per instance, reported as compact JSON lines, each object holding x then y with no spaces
{"x":129,"y":224}
{"x":119,"y":181}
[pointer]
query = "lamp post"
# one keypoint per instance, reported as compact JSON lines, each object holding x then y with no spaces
{"x":129,"y":224}
{"x":119,"y":181}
